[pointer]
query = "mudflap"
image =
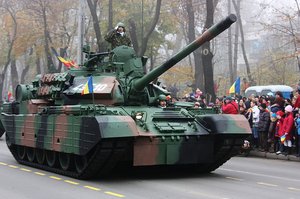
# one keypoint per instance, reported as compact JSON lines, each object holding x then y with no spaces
{"x":170,"y":151}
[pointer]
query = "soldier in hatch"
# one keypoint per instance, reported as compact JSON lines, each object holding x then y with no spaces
{"x":162,"y":101}
{"x":118,"y":37}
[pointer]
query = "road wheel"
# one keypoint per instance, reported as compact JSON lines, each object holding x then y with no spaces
{"x":51,"y":158}
{"x":80,"y":163}
{"x":30,"y":152}
{"x":64,"y":160}
{"x":40,"y":156}
{"x":21,"y":152}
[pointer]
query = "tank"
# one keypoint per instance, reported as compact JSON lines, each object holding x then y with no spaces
{"x":52,"y":126}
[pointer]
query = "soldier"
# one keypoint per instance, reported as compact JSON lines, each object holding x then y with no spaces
{"x":196,"y":105}
{"x":162,"y":101}
{"x":118,"y":37}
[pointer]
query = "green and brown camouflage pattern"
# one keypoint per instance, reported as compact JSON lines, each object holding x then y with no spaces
{"x":120,"y":122}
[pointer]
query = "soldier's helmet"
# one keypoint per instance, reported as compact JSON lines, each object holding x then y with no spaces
{"x":120,"y":24}
{"x":162,"y":97}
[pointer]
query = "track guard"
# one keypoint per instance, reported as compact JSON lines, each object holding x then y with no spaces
{"x":225,"y":123}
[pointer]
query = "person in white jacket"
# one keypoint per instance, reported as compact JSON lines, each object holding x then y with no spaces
{"x":255,"y":111}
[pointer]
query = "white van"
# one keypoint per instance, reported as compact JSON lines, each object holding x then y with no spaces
{"x":265,"y":90}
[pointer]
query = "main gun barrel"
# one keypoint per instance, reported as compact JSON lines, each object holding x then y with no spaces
{"x":208,"y":35}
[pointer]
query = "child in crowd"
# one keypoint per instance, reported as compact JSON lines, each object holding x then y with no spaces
{"x":288,"y":127}
{"x":297,"y":123}
{"x":271,"y":133}
{"x":279,"y":132}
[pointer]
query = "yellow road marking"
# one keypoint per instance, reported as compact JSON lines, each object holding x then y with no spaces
{"x":55,"y":178}
{"x":267,"y":184}
{"x":88,"y":187}
{"x":27,"y":170}
{"x":71,"y":182}
{"x":13,"y":166}
{"x":293,"y":189}
{"x":237,"y":179}
{"x":39,"y":173}
{"x":114,"y":194}
{"x":92,"y":188}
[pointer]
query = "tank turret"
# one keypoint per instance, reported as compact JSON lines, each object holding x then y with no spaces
{"x":54,"y":125}
{"x":136,"y":85}
{"x":118,"y":76}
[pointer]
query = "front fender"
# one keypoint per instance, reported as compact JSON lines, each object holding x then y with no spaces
{"x":114,"y":126}
{"x":225,"y":123}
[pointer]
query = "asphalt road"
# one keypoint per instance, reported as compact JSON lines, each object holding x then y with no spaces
{"x":240,"y":177}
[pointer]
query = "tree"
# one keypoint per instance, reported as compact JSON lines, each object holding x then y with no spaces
{"x":142,"y":46}
{"x":96,"y":24}
{"x":230,"y":47}
{"x":40,"y":10}
{"x":280,"y":46}
{"x":110,"y":14}
{"x":207,"y":55}
{"x":237,"y":9}
{"x":199,"y":71}
{"x":202,"y":56}
{"x":175,"y":78}
{"x":11,"y":31}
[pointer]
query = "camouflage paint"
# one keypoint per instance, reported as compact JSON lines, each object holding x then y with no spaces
{"x":172,"y":150}
{"x":117,"y":126}
{"x":69,"y":134}
{"x":120,"y":121}
{"x":225,"y":123}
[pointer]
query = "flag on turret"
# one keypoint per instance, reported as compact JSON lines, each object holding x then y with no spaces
{"x":88,"y":87}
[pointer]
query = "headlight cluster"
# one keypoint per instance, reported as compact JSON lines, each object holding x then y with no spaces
{"x":139,"y":116}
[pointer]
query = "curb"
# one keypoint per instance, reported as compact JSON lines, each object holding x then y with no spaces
{"x":274,"y":156}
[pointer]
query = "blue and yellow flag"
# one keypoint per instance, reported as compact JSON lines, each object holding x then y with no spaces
{"x":236,"y":87}
{"x":282,"y":138}
{"x":88,"y":87}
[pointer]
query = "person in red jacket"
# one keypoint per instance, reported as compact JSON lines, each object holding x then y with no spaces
{"x":287,"y":129}
{"x":230,"y":106}
{"x":279,"y":132}
{"x":297,"y":102}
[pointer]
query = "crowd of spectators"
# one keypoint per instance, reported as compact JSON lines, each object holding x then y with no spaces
{"x":274,"y":120}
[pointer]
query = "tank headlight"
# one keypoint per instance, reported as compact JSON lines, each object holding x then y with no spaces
{"x":138,"y":116}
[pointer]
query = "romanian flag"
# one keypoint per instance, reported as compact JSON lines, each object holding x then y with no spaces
{"x":67,"y":63}
{"x":236,"y":87}
{"x":88,"y":87}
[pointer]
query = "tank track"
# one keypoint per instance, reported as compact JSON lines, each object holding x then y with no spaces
{"x":103,"y":159}
{"x":107,"y":154}
{"x":223,"y":154}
